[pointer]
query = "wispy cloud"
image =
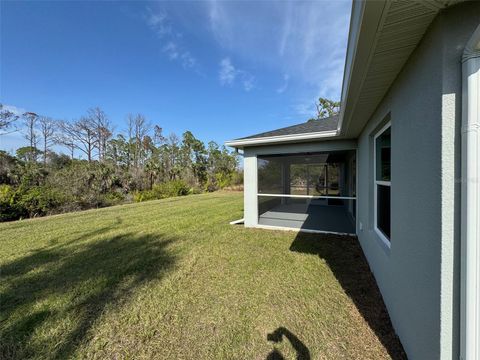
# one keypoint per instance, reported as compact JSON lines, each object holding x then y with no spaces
{"x":306,"y":40}
{"x":228,"y":74}
{"x":284,"y":86}
{"x":248,"y":81}
{"x":174,"y":52}
{"x":158,"y":22}
{"x":173,"y":46}
{"x":14,"y":109}
{"x":305,"y":109}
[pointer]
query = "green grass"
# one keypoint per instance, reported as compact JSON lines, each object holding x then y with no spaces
{"x":172,"y":279}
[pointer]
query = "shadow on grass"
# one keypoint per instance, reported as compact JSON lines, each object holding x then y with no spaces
{"x":302,"y":351}
{"x":74,"y":281}
{"x":345,"y":258}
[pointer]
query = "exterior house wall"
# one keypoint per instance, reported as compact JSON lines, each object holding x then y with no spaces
{"x":250,"y":168}
{"x":419,"y":274}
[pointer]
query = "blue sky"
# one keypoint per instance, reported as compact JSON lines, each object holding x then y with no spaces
{"x":222,"y":69}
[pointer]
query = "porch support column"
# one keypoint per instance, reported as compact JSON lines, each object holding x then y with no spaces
{"x":250,"y":188}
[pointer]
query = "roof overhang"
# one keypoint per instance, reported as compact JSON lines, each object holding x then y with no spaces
{"x":383,"y":35}
{"x":270,"y":140}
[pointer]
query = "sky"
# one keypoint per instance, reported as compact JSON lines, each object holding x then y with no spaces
{"x":221,"y":69}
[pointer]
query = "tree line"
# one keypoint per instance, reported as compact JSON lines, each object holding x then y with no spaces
{"x":97,"y":166}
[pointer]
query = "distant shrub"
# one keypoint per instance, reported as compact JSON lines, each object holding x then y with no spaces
{"x":196,"y":190}
{"x":162,"y":191}
{"x":223,"y":180}
{"x":171,"y":189}
{"x":35,"y":201}
{"x":40,"y":200}
{"x":211,"y":185}
{"x":145,"y":195}
{"x":114,"y":198}
{"x":9,"y":208}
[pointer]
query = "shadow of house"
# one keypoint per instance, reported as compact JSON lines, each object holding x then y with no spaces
{"x":345,"y":258}
{"x":91,"y":276}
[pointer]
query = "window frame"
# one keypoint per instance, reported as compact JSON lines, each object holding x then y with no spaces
{"x":383,"y":237}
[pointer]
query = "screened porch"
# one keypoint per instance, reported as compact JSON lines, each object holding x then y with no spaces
{"x":309,"y":191}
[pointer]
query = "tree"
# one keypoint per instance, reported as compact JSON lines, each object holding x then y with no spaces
{"x":81,"y":135}
{"x":158,"y":138}
{"x":194,"y":157}
{"x":7,"y":119}
{"x":8,"y":165}
{"x":147,"y":162}
{"x":47,"y":128}
{"x":138,"y":129}
{"x":103,"y":130}
{"x":118,"y":151}
{"x":327,"y":108}
{"x":25,"y":153}
{"x":30,"y":120}
{"x":66,"y":139}
{"x":221,"y":166}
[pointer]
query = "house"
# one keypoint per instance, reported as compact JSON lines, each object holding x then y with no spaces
{"x":398,"y":167}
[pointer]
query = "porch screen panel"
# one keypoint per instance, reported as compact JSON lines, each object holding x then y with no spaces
{"x":270,"y":176}
{"x":306,"y":190}
{"x":317,"y":179}
{"x":298,"y":179}
{"x":334,"y":179}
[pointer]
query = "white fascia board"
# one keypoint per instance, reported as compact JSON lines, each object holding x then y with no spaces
{"x":358,"y":8}
{"x":240,"y":143}
{"x":367,"y":17}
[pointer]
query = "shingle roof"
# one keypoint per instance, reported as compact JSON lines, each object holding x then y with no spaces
{"x":313,"y":126}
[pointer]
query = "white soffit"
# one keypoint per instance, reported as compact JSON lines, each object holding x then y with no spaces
{"x":383,"y":34}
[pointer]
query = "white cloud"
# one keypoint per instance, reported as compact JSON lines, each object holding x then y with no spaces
{"x":188,"y":61}
{"x":248,"y":82}
{"x":305,"y":109}
{"x":284,"y":86}
{"x":171,"y":50}
{"x":306,"y":40}
{"x":228,"y":74}
{"x":286,"y":29}
{"x":157,"y":21}
{"x":173,"y":46}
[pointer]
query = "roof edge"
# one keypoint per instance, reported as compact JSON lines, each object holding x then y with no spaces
{"x":281,"y":138}
{"x":366,"y":20}
{"x":356,"y":17}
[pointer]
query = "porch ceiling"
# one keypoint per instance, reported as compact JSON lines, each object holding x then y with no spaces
{"x":382,"y":36}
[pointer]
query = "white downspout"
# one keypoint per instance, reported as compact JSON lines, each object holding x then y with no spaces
{"x":470,"y":201}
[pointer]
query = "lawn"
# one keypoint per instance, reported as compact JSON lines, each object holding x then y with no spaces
{"x":171,"y":279}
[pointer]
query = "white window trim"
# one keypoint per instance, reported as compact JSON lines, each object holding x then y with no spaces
{"x":381,"y":235}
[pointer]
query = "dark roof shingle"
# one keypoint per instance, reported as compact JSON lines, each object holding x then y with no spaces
{"x":327,"y":124}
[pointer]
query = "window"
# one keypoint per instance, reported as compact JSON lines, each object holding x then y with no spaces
{"x":382,"y":159}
